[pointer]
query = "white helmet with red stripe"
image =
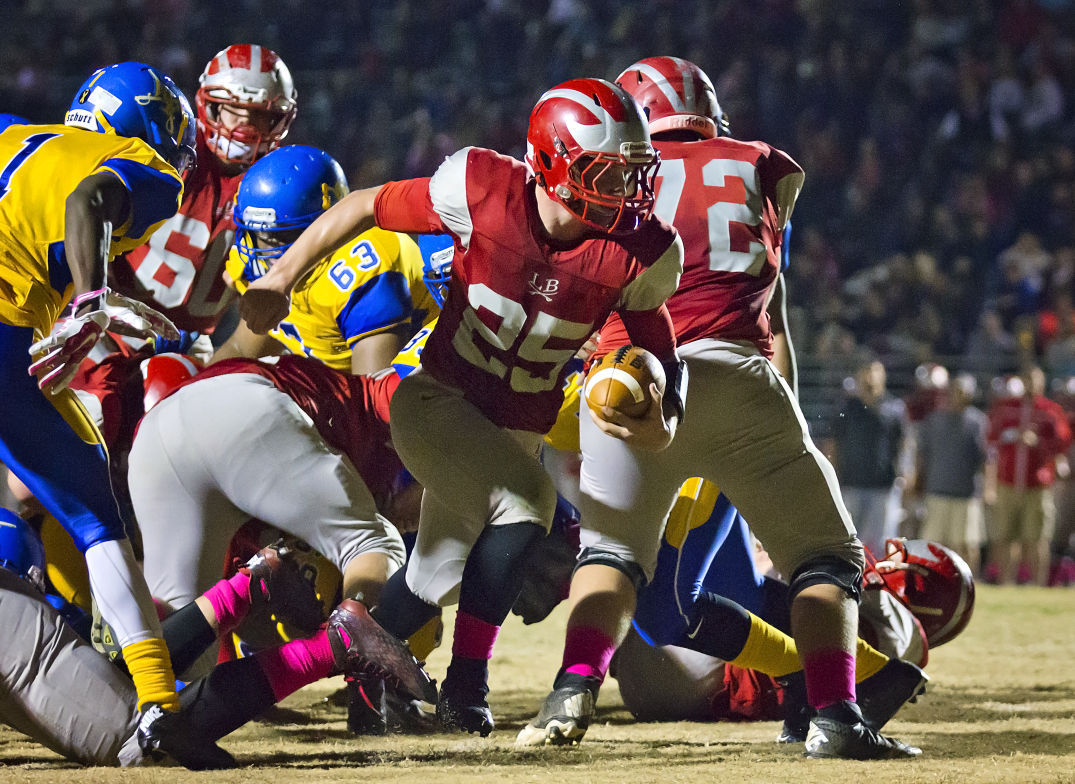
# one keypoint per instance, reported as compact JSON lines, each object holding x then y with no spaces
{"x":675,"y":95}
{"x":163,"y":373}
{"x":253,"y":78}
{"x":589,"y":148}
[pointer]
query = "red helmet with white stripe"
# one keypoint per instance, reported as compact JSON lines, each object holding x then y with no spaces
{"x":251,"y":78}
{"x":163,"y":373}
{"x":933,"y":581}
{"x":589,"y":148}
{"x":675,"y":95}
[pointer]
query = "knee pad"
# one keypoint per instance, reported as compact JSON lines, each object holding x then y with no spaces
{"x":633,"y":571}
{"x":827,"y":570}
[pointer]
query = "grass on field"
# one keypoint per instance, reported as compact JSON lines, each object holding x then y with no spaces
{"x":1000,"y":708}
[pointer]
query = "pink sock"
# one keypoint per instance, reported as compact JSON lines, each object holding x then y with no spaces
{"x":295,"y":664}
{"x":588,"y":651}
{"x":473,"y":638}
{"x":830,"y":677}
{"x":231,"y":602}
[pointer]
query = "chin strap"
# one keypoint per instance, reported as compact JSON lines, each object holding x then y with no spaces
{"x":675,"y":387}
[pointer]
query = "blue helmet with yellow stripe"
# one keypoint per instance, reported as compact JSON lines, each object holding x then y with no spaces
{"x":137,"y":101}
{"x":283,"y":192}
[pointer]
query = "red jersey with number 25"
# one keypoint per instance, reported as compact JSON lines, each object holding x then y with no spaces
{"x":729,"y":200}
{"x":519,"y":306}
{"x":180,"y":271}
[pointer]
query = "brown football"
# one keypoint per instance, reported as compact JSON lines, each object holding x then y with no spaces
{"x":621,"y":381}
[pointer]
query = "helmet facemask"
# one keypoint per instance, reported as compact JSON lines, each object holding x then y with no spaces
{"x":609,"y":192}
{"x":246,"y":141}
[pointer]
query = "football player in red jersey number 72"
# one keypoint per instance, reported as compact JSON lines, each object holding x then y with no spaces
{"x":543,"y":254}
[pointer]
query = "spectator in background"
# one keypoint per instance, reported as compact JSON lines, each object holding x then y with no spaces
{"x":1062,"y":551}
{"x":991,"y":349}
{"x":927,"y":395}
{"x":868,"y":439}
{"x":951,"y":454}
{"x":1028,"y":436}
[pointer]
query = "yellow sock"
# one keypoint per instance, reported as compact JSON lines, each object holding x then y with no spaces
{"x":424,"y":641}
{"x":151,"y":670}
{"x":768,"y":650}
{"x":868,"y":660}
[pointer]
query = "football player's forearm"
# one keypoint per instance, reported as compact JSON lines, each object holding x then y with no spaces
{"x":350,"y":216}
{"x":90,"y":211}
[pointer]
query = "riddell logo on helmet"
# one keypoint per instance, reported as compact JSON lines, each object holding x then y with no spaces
{"x":695,"y":122}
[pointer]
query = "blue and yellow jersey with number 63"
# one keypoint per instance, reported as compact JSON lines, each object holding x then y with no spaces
{"x":40,"y":165}
{"x":372,"y":284}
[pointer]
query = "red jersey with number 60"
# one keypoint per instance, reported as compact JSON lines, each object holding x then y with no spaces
{"x":180,"y":270}
{"x":519,"y":305}
{"x":729,"y":201}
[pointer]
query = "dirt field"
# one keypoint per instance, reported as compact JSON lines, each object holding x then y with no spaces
{"x":1000,"y":708}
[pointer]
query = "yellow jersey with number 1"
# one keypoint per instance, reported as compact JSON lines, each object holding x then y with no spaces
{"x":40,"y":165}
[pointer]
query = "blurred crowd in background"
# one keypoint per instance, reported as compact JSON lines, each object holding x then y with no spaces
{"x":937,"y":223}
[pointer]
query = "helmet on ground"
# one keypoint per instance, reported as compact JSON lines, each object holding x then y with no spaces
{"x":590,"y":150}
{"x":253,"y":78}
{"x":138,"y":101}
{"x":21,"y":550}
{"x":279,"y":196}
{"x":933,"y":581}
{"x":675,"y":94}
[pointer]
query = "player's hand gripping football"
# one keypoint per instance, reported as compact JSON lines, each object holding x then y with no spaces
{"x":58,"y":356}
{"x":651,"y":431}
{"x":265,"y":303}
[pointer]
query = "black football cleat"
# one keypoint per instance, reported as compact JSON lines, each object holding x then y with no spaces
{"x":849,"y":738}
{"x":464,"y":710}
{"x":881,"y":695}
{"x":166,"y":735}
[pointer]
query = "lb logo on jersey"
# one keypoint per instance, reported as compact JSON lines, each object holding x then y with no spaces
{"x":545,"y":289}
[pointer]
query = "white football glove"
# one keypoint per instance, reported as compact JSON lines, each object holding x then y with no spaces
{"x":129,"y":316}
{"x":72,"y":338}
{"x":70,"y":342}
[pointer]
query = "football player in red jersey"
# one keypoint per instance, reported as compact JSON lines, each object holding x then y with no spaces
{"x":245,"y":105}
{"x":544,"y":252}
{"x":288,"y":441}
{"x":730,"y":200}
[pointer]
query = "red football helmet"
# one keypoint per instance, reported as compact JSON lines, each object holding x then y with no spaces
{"x":162,"y":373}
{"x":932,"y":580}
{"x":675,"y":95}
{"x":254,"y":78}
{"x":589,"y":147}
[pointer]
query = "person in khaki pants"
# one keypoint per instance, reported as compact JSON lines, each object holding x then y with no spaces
{"x":1028,"y":436}
{"x":951,"y":454}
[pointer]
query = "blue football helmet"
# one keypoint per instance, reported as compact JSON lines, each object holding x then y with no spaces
{"x":283,"y":192}
{"x":21,"y":550}
{"x":437,"y":251}
{"x":138,"y":101}
{"x":7,"y":120}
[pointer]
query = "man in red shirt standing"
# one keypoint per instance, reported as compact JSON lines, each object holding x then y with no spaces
{"x":544,"y":252}
{"x":1028,"y":436}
